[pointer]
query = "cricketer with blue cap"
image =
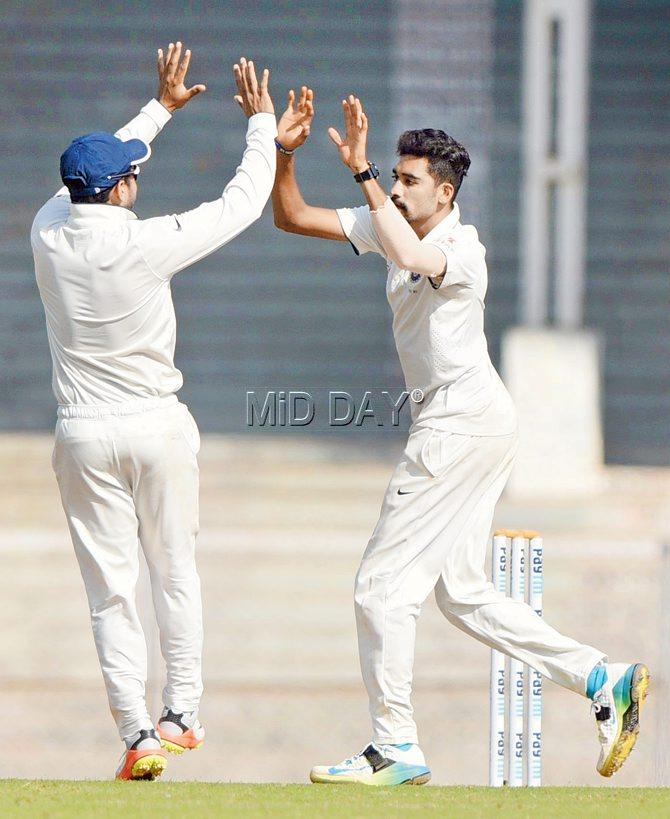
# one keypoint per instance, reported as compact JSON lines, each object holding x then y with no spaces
{"x":97,"y":161}
{"x":126,"y":449}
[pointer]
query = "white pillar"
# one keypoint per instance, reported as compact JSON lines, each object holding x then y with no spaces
{"x":554,"y":157}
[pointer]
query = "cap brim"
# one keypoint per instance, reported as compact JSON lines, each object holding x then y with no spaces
{"x":138,"y":151}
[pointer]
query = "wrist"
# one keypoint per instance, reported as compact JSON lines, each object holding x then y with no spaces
{"x":371,"y":172}
{"x":282,"y":150}
{"x":170,"y":108}
{"x":359,"y":167}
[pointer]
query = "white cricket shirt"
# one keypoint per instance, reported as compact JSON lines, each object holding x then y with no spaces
{"x":439,"y":330}
{"x":104,"y":275}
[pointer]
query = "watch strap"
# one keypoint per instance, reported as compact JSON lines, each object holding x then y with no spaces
{"x":283,"y":150}
{"x":371,"y":173}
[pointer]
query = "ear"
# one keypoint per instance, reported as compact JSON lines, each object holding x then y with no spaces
{"x":116,"y":194}
{"x":446,"y":193}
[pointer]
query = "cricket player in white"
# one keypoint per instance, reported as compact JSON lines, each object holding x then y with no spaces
{"x":435,"y":520}
{"x":125,"y":452}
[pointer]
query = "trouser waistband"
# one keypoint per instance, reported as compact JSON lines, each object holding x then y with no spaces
{"x":126,"y":408}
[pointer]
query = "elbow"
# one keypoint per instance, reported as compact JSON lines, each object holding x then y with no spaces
{"x":281,"y":222}
{"x":418,"y":266}
{"x":406,"y":261}
{"x":285,"y":223}
{"x":423,"y":263}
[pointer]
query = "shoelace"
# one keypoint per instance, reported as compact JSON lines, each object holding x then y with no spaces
{"x":351,"y":759}
{"x":602,"y":724}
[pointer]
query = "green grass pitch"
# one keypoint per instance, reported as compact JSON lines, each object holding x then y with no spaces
{"x":112,"y":800}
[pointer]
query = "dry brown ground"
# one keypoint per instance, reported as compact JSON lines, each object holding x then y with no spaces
{"x":283,"y":526}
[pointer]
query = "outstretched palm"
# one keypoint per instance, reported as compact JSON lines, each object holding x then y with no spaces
{"x":353,"y":148}
{"x":172,"y":93}
{"x":296,"y":121}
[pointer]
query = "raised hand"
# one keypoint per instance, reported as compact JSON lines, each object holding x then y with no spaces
{"x":353,"y":148}
{"x":172,"y":93}
{"x":252,"y":97}
{"x":296,"y":121}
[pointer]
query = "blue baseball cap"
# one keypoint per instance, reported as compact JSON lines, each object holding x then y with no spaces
{"x":97,"y":161}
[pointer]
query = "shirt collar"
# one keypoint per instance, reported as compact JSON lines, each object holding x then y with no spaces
{"x":444,"y":226}
{"x":99,"y":213}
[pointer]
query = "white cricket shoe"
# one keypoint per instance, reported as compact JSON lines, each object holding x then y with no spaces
{"x":180,"y":732}
{"x":617,"y":705}
{"x":377,"y":765}
{"x":143,"y":757}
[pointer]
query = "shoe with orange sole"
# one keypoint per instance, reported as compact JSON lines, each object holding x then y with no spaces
{"x":180,"y":732}
{"x":143,"y":759}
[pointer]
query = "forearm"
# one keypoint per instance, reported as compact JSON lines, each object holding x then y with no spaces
{"x":401,"y":243}
{"x":287,"y":200}
{"x":374,"y":194}
{"x":251,"y":186}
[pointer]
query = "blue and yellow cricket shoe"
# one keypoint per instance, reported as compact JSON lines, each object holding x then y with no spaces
{"x":377,"y":765}
{"x":617,"y":702}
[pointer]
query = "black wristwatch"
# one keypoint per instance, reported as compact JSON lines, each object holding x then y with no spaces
{"x":371,"y":173}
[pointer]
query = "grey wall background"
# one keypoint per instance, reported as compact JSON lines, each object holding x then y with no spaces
{"x":269,"y":310}
{"x":628,"y":285}
{"x":628,"y":252}
{"x":272,"y":311}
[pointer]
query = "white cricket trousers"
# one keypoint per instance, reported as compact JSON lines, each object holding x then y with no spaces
{"x":128,"y":478}
{"x":433,"y":534}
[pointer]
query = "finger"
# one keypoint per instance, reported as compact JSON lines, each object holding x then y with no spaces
{"x":334,"y":134}
{"x":289,"y":102}
{"x":252,"y":82}
{"x":364,"y":123}
{"x":352,"y":110}
{"x":239,"y":101}
{"x":303,"y":98}
{"x":168,"y":55}
{"x":239,"y":79}
{"x":244,"y":74}
{"x":347,"y":116}
{"x":359,"y":113}
{"x":309,"y":104}
{"x":160,"y":61}
{"x":174,"y":60}
{"x":183,"y":68}
{"x":265,"y":81}
{"x":196,"y":89}
{"x":305,"y":130}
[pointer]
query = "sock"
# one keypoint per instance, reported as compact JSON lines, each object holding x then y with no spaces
{"x":597,"y":678}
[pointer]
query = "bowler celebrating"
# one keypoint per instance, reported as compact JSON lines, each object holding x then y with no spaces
{"x":435,"y":520}
{"x":125,"y":452}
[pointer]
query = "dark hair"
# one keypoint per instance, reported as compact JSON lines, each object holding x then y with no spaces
{"x":448,"y":161}
{"x":95,"y":198}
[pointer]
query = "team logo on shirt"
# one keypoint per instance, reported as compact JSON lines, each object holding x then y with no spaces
{"x":415,"y":277}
